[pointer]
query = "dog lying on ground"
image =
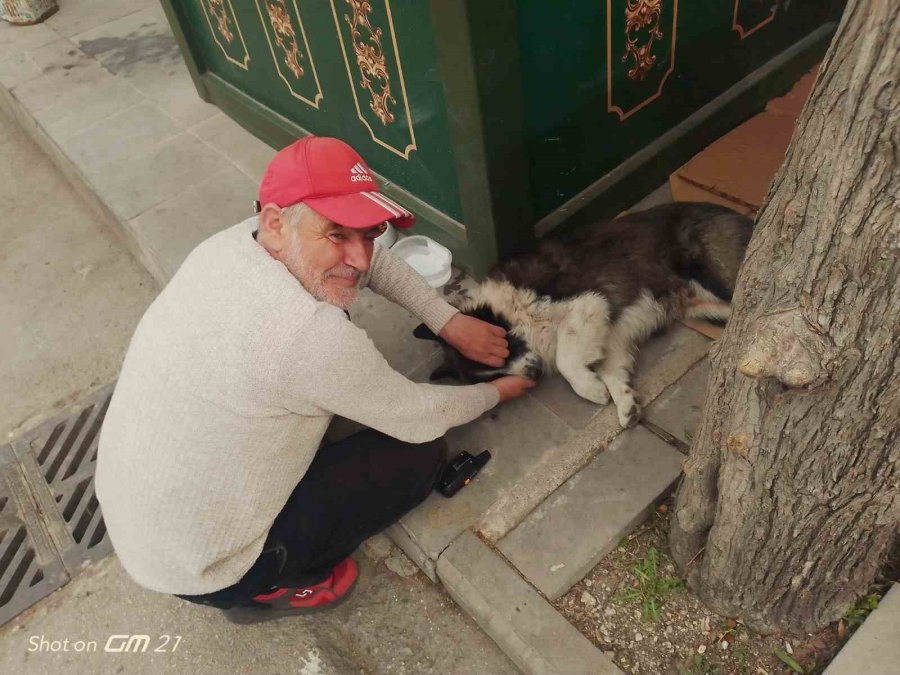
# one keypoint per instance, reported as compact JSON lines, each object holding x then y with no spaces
{"x":583,"y":302}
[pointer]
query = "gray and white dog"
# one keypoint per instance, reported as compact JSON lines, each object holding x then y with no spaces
{"x":583,"y":302}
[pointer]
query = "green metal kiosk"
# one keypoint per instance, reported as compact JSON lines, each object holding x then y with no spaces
{"x":497,"y":121}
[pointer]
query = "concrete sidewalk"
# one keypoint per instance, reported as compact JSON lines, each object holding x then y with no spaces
{"x":102,"y":89}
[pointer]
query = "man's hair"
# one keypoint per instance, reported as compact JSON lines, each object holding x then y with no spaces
{"x":293,"y":215}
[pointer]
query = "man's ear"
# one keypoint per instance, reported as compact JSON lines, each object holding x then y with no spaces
{"x":423,"y":332}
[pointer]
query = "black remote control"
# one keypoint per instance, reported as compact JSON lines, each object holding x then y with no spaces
{"x":460,"y":472}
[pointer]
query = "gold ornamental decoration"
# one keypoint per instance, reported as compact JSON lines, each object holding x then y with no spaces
{"x":292,"y":57}
{"x":647,"y":26}
{"x":737,"y":22}
{"x":373,"y":71}
{"x":641,"y":14}
{"x":217,"y":9}
{"x":377,"y":77}
{"x":284,"y":36}
{"x":224,"y":26}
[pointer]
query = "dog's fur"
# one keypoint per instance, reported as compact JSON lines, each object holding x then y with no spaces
{"x":583,"y":302}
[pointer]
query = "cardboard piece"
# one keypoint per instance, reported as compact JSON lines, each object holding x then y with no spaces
{"x":792,"y":103}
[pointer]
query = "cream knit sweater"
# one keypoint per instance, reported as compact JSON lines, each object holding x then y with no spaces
{"x":228,"y":386}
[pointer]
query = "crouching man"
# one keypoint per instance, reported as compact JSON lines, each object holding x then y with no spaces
{"x":210,"y":474}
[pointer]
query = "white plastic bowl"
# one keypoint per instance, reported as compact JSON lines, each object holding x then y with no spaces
{"x":387,"y":238}
{"x":427,"y":257}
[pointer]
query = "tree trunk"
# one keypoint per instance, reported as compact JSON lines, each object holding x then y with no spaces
{"x":791,"y":494}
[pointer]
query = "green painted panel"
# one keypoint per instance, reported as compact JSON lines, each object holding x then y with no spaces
{"x":362,"y":70}
{"x":605,"y":78}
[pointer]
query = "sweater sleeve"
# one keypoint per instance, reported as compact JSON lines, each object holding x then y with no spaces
{"x":391,"y":277}
{"x":336,"y":367}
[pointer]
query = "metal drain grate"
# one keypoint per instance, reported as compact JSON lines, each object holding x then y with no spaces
{"x":58,"y":513}
{"x":30,"y":567}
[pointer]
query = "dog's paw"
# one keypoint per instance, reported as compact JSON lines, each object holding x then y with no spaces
{"x":629,"y":413}
{"x":594,"y":391}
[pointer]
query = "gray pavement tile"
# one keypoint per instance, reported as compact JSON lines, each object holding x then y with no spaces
{"x":21,"y":39}
{"x":568,"y":534}
{"x":65,"y":69}
{"x":141,"y":49}
{"x":874,"y":649}
{"x":390,"y":327}
{"x":139,"y":182}
{"x":76,"y":16}
{"x":678,"y":408}
{"x":169,"y":231}
{"x":519,"y":434}
{"x":100,"y":150}
{"x":247,"y":152}
{"x":85,"y":107}
{"x":533,"y":634}
{"x":16,"y":69}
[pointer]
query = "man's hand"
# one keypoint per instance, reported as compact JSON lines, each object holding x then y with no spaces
{"x":477,"y":340}
{"x":512,"y":386}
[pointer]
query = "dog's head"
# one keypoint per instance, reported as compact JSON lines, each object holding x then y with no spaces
{"x":521,"y":360}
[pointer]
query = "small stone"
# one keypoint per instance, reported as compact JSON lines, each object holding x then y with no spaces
{"x":378,"y":547}
{"x":588,"y":599}
{"x":788,"y":648}
{"x":701,"y":649}
{"x":638,"y":637}
{"x":723,"y":645}
{"x":610,"y":611}
{"x":400,"y":565}
{"x":588,"y":583}
{"x":557,"y":567}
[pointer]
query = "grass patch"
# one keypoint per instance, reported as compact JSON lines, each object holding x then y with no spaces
{"x":863,"y":608}
{"x":650,"y":588}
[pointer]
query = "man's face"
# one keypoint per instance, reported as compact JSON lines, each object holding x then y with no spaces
{"x":329,"y":260}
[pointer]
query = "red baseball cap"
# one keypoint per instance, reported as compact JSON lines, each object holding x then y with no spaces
{"x":330,"y":177}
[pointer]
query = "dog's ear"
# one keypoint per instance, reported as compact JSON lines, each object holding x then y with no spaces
{"x":444,"y":370}
{"x":423,"y":332}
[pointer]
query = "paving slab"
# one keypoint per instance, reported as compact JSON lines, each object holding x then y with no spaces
{"x":86,"y":106}
{"x":19,"y":39}
{"x":678,"y":408}
{"x":169,"y":231}
{"x":76,"y":16}
{"x":236,"y":144}
{"x":149,"y":178}
{"x":518,"y":434}
{"x":533,"y":634}
{"x":661,"y":362}
{"x":141,"y":49}
{"x":98,"y":150}
{"x":568,"y":534}
{"x":64,"y":70}
{"x":874,"y":649}
{"x":391,"y":327}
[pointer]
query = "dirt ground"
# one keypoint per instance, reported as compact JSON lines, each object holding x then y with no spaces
{"x":633,"y":606}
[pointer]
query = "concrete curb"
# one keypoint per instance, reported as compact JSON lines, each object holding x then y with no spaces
{"x":113,"y":224}
{"x":525,"y":626}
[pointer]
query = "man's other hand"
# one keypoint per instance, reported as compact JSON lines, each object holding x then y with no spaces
{"x":477,"y":340}
{"x":512,"y":386}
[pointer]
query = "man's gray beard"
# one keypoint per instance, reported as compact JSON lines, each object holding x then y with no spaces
{"x":315,"y":283}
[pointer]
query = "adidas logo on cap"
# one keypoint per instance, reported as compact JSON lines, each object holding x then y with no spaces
{"x":359,"y":173}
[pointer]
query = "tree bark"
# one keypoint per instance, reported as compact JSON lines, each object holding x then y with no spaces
{"x":791,"y":494}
